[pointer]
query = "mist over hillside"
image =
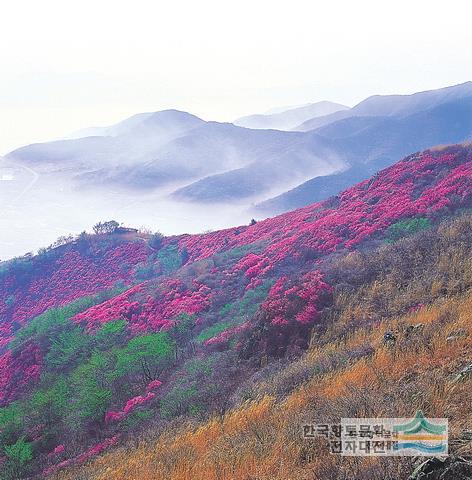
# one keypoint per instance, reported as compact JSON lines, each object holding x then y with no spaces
{"x":174,"y":172}
{"x":371,"y":142}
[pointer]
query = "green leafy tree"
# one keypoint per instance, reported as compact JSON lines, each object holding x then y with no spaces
{"x":19,"y":455}
{"x":406,"y":227}
{"x":212,"y":331}
{"x":179,"y":400}
{"x":105,"y":227}
{"x":170,"y":259}
{"x":146,"y":270}
{"x":111,"y":334}
{"x":92,"y":387}
{"x":147,"y":355}
{"x":50,"y":405}
{"x":67,"y":348}
{"x":11,"y":421}
{"x":155,"y":240}
{"x":182,"y":333}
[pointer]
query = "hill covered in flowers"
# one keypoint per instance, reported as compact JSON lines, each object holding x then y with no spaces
{"x":113,"y":337}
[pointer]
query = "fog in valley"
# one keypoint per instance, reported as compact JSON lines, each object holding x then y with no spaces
{"x":36,"y":210}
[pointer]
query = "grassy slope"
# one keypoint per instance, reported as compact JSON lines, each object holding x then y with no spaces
{"x":346,"y":372}
{"x":326,"y":271}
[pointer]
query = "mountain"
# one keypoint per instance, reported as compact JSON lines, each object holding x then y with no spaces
{"x":119,"y":336}
{"x":315,"y":189}
{"x":281,"y":109}
{"x":290,"y":118}
{"x":111,"y":130}
{"x":287,"y":158}
{"x":353,"y":148}
{"x":372,"y":142}
{"x":134,"y":140}
{"x":164,"y":122}
{"x":150,"y":151}
{"x":392,"y":105}
{"x":171,"y":170}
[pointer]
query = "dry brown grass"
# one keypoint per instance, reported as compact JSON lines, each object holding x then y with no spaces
{"x":262,"y":440}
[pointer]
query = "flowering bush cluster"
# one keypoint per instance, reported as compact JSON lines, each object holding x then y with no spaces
{"x":18,"y":370}
{"x":57,"y":451}
{"x":83,"y":457}
{"x":63,"y":279}
{"x":144,"y":311}
{"x":254,"y":267}
{"x":129,"y":407}
{"x":299,"y":301}
{"x":223,"y":337}
{"x":153,"y":385}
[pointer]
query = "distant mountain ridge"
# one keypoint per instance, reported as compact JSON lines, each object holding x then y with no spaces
{"x":392,"y":105}
{"x":174,"y":161}
{"x":371,"y":142}
{"x":290,"y":118}
{"x":150,"y":151}
{"x":171,"y":118}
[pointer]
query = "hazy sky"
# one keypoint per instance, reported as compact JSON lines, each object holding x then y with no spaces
{"x":65,"y":65}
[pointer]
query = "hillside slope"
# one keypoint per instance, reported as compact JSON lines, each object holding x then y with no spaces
{"x":196,"y":316}
{"x":351,"y":376}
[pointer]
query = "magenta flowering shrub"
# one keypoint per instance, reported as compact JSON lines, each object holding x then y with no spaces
{"x":83,"y":457}
{"x":309,"y":289}
{"x":60,"y":281}
{"x":298,"y":301}
{"x":223,"y":337}
{"x":113,"y":416}
{"x":57,"y":451}
{"x":254,"y":267}
{"x":153,"y":385}
{"x":97,"y":449}
{"x":18,"y":370}
{"x":122,"y":306}
{"x":147,"y":312}
{"x":136,"y":401}
{"x":6,"y":375}
{"x":130,"y":405}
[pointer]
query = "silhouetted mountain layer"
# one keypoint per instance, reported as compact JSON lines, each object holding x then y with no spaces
{"x":370,"y":143}
{"x":393,"y":105}
{"x":290,"y":118}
